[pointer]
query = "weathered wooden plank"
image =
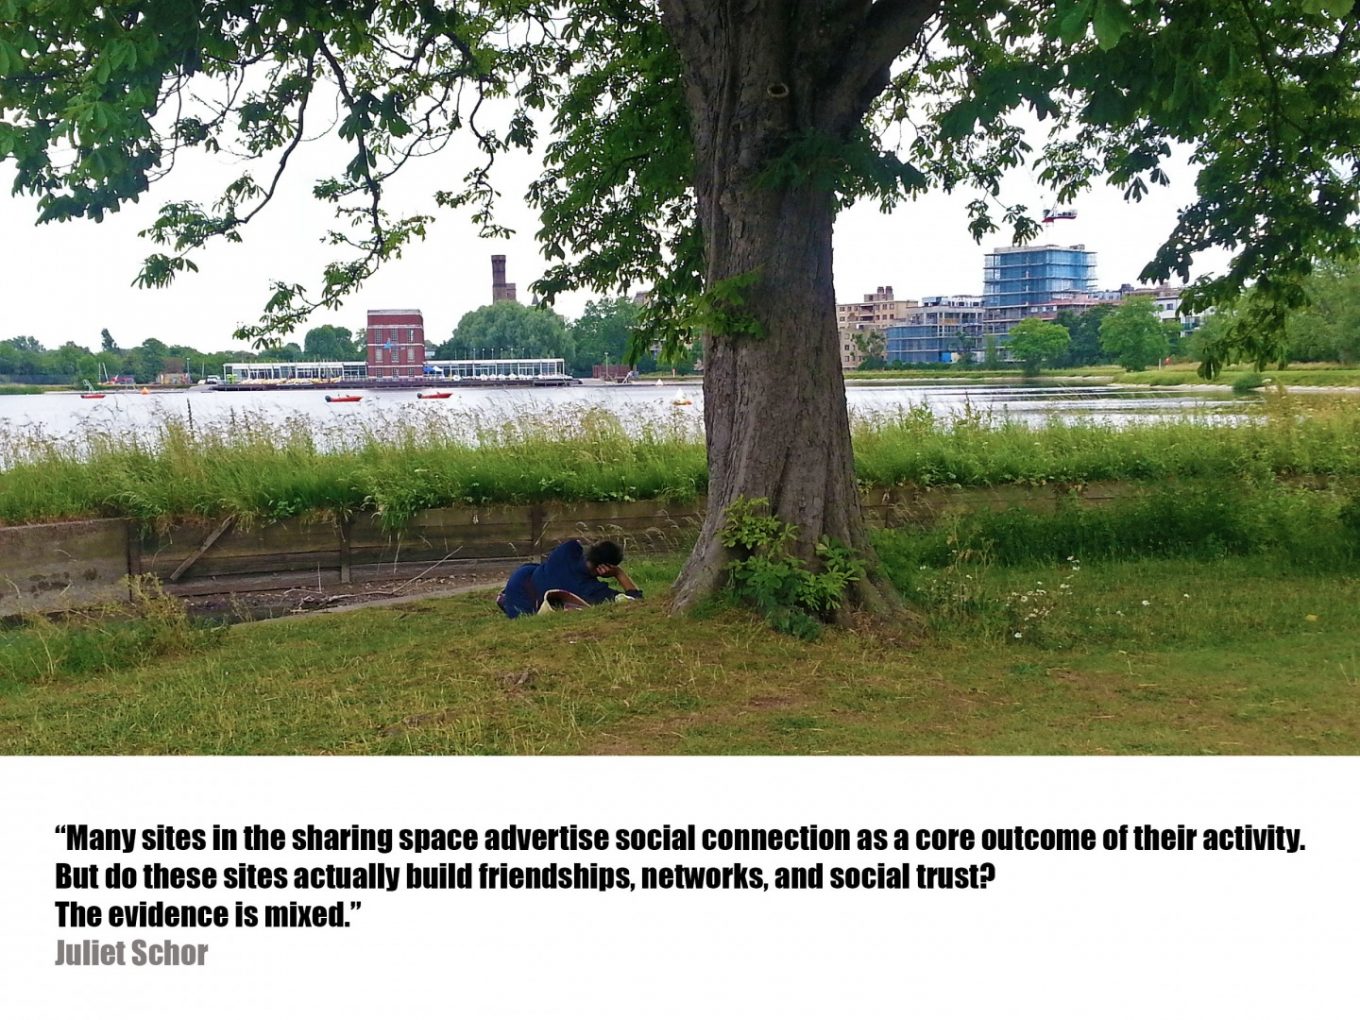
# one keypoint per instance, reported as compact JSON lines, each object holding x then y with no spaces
{"x":204,"y":546}
{"x":455,"y":532}
{"x":296,"y":535}
{"x":52,"y":567}
{"x":653,"y":525}
{"x":326,"y":562}
{"x":345,"y":558}
{"x":425,"y":546}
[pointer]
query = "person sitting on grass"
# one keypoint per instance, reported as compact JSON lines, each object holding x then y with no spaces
{"x":569,"y":578}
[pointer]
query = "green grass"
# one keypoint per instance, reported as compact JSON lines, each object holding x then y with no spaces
{"x":18,"y":390}
{"x":260,"y":471}
{"x":37,"y":649}
{"x":1185,"y":373}
{"x":1182,"y":655}
{"x":1317,"y":527}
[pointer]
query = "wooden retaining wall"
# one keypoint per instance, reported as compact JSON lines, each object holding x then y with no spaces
{"x":54,"y":567}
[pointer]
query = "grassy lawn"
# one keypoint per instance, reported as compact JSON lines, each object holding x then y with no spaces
{"x":1246,"y":655}
{"x":1178,"y":374}
{"x":1184,"y":373}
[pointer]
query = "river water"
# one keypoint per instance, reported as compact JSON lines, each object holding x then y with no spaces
{"x":63,"y":415}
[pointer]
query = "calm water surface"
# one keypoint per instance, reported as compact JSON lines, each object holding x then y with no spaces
{"x":66,"y":414}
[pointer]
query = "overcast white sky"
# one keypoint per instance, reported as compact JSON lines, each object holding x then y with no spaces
{"x":68,"y":281}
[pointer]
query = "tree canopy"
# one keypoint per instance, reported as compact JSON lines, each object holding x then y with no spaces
{"x":508,"y":329}
{"x":27,"y":359}
{"x":1328,"y":328}
{"x":871,"y":346}
{"x":97,"y":98}
{"x":601,"y":335}
{"x":331,"y":343}
{"x":1036,"y":343}
{"x":1134,"y":336}
{"x":1084,"y":330}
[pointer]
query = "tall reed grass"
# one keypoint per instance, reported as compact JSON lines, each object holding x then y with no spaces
{"x":260,"y":470}
{"x":1284,"y":437}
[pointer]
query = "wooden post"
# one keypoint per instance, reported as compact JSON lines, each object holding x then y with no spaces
{"x":134,"y":547}
{"x":344,"y":550}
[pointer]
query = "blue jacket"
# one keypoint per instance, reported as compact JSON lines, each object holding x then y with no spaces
{"x":565,"y":568}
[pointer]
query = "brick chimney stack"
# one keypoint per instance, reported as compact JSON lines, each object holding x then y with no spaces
{"x":500,"y":290}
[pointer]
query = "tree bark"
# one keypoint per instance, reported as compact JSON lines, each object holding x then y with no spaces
{"x":761,"y":76}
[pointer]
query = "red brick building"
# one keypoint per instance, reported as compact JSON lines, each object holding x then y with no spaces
{"x":396,"y":343}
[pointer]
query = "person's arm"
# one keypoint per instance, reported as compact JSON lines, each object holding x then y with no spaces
{"x":630,"y":590}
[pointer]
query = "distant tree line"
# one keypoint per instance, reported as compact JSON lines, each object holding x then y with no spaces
{"x":25,"y":359}
{"x":1327,"y":328}
{"x":505,"y":330}
{"x":601,"y":336}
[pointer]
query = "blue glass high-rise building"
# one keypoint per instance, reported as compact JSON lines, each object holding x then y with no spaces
{"x":1035,"y":283}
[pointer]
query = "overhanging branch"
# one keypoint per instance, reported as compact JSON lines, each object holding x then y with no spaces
{"x":890,"y":27}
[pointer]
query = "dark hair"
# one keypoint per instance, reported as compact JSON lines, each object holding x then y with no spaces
{"x":604,"y":553}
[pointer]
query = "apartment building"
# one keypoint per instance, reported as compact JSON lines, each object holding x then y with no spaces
{"x":939,"y":329}
{"x":877,"y":311}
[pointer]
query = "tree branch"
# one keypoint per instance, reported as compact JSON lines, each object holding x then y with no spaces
{"x":361,"y":140}
{"x":889,"y":28}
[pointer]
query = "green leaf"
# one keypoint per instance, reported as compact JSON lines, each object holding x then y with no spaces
{"x":1072,"y":25}
{"x":1112,"y":21}
{"x":11,"y":60}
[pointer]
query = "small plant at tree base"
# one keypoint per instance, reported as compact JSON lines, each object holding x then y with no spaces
{"x":794,"y":599}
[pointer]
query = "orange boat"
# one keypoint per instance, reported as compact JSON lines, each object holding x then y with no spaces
{"x":438,"y":395}
{"x":347,"y":398}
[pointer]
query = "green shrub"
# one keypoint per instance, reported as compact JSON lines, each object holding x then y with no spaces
{"x":793,"y":598}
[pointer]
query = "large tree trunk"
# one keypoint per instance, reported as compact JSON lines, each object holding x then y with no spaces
{"x":760,"y":77}
{"x":774,"y":405}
